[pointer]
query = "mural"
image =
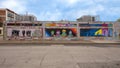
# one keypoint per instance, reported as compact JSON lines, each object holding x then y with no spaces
{"x":61,"y":32}
{"x":96,"y":25}
{"x":37,"y":33}
{"x":60,"y":25}
{"x":24,"y":32}
{"x":105,"y":32}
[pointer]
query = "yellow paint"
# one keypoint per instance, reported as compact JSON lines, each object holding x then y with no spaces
{"x":99,"y":32}
{"x":50,"y":24}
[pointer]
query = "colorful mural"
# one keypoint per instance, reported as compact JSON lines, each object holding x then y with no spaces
{"x":60,"y":25}
{"x":95,"y":25}
{"x":61,"y":32}
{"x":105,"y":32}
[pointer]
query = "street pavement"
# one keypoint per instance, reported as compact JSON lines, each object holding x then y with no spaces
{"x":59,"y":56}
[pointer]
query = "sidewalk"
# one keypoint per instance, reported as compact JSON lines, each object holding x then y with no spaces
{"x":43,"y":41}
{"x":58,"y":42}
{"x":106,"y":41}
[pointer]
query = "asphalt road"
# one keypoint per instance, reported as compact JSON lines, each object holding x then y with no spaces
{"x":59,"y":56}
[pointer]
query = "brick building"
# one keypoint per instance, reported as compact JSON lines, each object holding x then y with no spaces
{"x":10,"y":16}
{"x":6,"y":15}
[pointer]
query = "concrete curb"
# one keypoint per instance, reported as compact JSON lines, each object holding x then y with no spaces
{"x":63,"y":42}
{"x":66,"y":43}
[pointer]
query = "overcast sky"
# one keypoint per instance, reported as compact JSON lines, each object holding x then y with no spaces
{"x":108,"y":10}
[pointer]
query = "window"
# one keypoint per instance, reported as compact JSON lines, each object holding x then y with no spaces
{"x":23,"y":33}
{"x":1,"y":24}
{"x":10,"y":24}
{"x":28,"y":33}
{"x":0,"y":31}
{"x":15,"y":33}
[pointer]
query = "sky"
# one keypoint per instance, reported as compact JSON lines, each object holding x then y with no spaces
{"x":55,"y":10}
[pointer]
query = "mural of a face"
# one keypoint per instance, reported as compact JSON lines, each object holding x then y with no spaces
{"x":58,"y":33}
{"x":52,"y":33}
{"x":64,"y":34}
{"x":70,"y":34}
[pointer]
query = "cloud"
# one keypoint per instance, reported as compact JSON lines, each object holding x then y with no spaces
{"x":113,"y":10}
{"x":16,"y":5}
{"x":76,"y":13}
{"x":72,"y":3}
{"x":50,"y":15}
{"x":64,"y":9}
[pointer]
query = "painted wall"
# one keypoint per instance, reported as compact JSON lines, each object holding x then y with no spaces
{"x":95,"y":25}
{"x":24,"y":32}
{"x":1,"y":31}
{"x":61,"y":32}
{"x":61,"y":25}
{"x":100,"y":32}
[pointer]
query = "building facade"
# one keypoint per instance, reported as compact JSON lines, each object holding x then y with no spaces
{"x":117,"y":30}
{"x":6,"y":15}
{"x":15,"y":26}
{"x":88,"y":18}
{"x":60,"y":30}
{"x":26,"y":17}
{"x":24,"y":30}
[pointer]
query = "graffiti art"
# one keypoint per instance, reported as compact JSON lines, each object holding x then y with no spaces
{"x":60,"y":25}
{"x":60,"y":32}
{"x":95,"y":25}
{"x":25,"y":32}
{"x":97,"y":32}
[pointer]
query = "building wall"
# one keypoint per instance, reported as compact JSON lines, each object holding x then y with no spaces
{"x":24,"y":30}
{"x":2,"y":20}
{"x":2,"y":16}
{"x":2,"y":12}
{"x":87,"y":18}
{"x":63,"y":30}
{"x":117,"y":30}
{"x":1,"y":31}
{"x":10,"y":15}
{"x":24,"y":33}
{"x":27,"y":18}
